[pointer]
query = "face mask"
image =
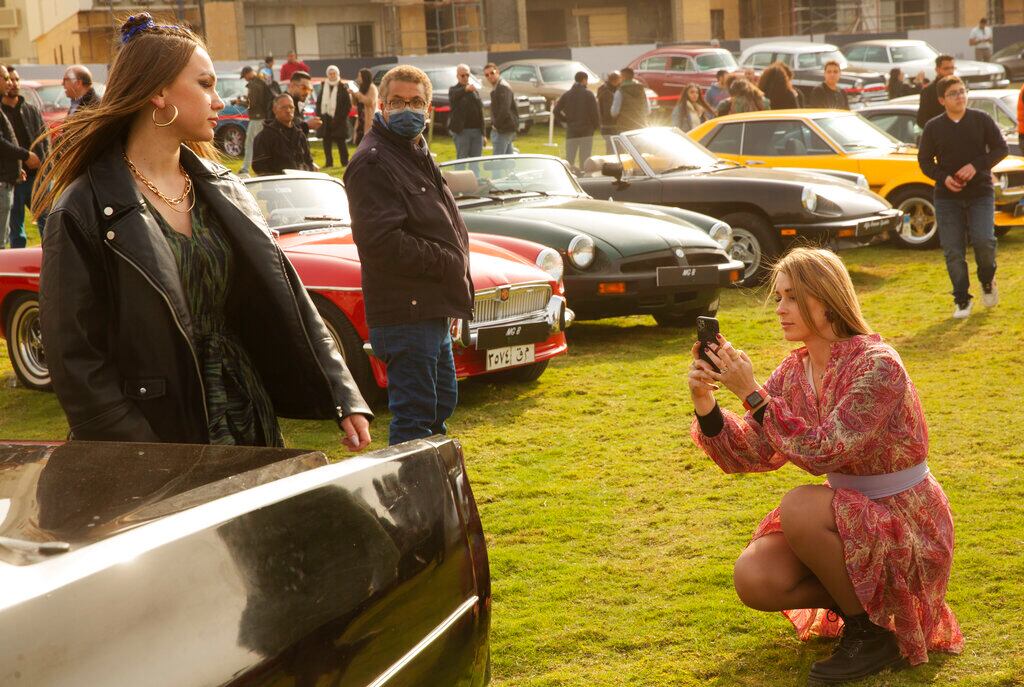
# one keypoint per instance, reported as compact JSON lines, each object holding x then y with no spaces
{"x":407,"y":123}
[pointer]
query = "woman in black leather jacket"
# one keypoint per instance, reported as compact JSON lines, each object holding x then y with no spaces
{"x":168,"y":311}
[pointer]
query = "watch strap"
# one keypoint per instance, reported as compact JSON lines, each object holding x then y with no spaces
{"x":755,"y":398}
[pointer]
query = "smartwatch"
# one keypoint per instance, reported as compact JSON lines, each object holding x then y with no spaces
{"x":756,"y":398}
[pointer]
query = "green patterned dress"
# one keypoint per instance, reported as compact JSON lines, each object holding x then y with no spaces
{"x":240,"y":411}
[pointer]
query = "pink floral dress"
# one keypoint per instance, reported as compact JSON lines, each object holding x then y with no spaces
{"x":867,"y":420}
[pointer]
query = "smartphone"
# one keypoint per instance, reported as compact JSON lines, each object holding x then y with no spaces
{"x":707,"y":333}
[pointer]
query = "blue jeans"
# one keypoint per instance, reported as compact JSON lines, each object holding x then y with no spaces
{"x":255,"y":126}
{"x":958,"y":218}
{"x":6,"y":202}
{"x":502,"y":143}
{"x":470,"y":143}
{"x":22,"y":199}
{"x":422,"y":391}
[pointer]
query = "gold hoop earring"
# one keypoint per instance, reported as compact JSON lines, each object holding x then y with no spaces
{"x":168,"y":122}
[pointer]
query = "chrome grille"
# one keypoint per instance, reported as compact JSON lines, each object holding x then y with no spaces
{"x":694,"y":257}
{"x":1015,"y":179}
{"x":522,"y":300}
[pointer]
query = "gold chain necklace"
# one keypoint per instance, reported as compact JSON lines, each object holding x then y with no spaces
{"x":172,"y":202}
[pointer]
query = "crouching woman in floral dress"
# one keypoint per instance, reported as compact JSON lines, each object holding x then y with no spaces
{"x":870,"y":551}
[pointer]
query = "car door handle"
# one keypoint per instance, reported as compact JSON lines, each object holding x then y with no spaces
{"x":753,"y":162}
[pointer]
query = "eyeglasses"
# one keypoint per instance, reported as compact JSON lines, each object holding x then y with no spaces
{"x":957,"y":93}
{"x":489,"y":74}
{"x":395,"y":104}
{"x":463,"y":74}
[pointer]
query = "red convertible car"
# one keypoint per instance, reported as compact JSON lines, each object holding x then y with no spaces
{"x":520,"y":307}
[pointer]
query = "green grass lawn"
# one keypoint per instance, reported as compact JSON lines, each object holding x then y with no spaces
{"x":612,"y":538}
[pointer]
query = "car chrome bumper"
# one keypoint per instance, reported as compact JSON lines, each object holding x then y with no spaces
{"x":554,"y":318}
{"x":854,"y":228}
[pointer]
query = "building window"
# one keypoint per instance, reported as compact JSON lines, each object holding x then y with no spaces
{"x":5,"y":47}
{"x":276,"y":39}
{"x":718,"y":24}
{"x":345,"y":40}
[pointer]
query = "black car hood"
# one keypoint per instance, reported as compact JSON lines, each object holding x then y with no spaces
{"x":628,"y":230}
{"x":852,"y":199}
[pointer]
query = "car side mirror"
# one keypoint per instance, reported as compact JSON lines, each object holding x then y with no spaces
{"x":612,"y":169}
{"x":533,"y":81}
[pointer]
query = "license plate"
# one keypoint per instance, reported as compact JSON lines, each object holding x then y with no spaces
{"x":683,"y":276}
{"x":511,"y":335}
{"x":509,"y":356}
{"x":871,"y":225}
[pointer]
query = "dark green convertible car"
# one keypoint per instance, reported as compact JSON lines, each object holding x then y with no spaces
{"x":620,"y":258}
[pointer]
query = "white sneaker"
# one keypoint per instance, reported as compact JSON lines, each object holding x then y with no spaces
{"x":990,"y":296}
{"x":962,"y":313}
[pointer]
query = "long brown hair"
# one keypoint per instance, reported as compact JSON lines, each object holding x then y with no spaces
{"x":150,"y":58}
{"x":819,"y":273}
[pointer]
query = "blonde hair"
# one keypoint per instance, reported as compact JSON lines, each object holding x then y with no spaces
{"x":409,"y":74}
{"x":151,"y":57}
{"x":819,"y":273}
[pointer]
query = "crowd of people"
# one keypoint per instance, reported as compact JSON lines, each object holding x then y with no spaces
{"x":136,"y":173}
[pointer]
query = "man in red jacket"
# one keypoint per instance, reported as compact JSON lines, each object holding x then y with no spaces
{"x":294,"y":64}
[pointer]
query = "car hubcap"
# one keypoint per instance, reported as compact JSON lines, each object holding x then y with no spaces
{"x":29,"y":340}
{"x":747,"y":249}
{"x":334,"y":335}
{"x":234,"y":142}
{"x":922,"y":220}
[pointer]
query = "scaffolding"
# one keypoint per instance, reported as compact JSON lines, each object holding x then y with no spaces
{"x":434,"y":26}
{"x":817,"y":17}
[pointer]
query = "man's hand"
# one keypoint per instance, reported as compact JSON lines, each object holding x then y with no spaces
{"x":315,"y":123}
{"x":966,"y":173}
{"x":470,"y":88}
{"x":32,"y":161}
{"x":23,"y":176}
{"x":953,"y":185}
{"x":357,"y":432}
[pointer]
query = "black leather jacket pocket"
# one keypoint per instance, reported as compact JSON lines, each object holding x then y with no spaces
{"x":143,"y":389}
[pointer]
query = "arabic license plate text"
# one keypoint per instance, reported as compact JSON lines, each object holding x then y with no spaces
{"x":509,"y":356}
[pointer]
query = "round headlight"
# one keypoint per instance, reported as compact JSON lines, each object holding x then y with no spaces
{"x":1003,"y":181}
{"x":581,"y":252}
{"x":551,"y":262}
{"x":809,"y":199}
{"x":722,"y":233}
{"x":862,"y":181}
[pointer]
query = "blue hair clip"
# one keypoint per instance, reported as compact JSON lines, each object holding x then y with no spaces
{"x":150,"y":24}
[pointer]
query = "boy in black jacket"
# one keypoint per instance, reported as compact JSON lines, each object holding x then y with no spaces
{"x":958,"y":150}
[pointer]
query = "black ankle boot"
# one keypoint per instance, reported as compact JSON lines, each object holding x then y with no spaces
{"x":864,"y":649}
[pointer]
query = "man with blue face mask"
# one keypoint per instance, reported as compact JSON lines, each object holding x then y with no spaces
{"x":413,"y":246}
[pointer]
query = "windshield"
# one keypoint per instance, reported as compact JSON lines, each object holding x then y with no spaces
{"x":906,"y":53}
{"x":1011,"y":102}
{"x":294,"y":202}
{"x":443,"y":79}
{"x":565,"y":72}
{"x":854,"y":133}
{"x":811,"y":60}
{"x":713,"y":61}
{"x":230,"y":88}
{"x":668,"y":150}
{"x":508,"y":176}
{"x":54,"y":99}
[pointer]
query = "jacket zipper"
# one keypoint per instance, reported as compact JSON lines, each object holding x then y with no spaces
{"x":174,"y":315}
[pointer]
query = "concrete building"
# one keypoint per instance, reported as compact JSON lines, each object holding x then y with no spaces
{"x":69,"y":31}
{"x":65,"y":31}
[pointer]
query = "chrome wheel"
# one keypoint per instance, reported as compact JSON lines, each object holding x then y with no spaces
{"x":232,"y":141}
{"x":747,"y":249}
{"x":25,"y":344}
{"x":922,"y":229}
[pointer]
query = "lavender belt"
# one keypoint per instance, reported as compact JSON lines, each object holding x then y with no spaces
{"x":880,"y":486}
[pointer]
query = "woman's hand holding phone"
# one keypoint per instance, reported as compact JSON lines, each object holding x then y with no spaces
{"x":736,"y":371}
{"x":702,"y":382}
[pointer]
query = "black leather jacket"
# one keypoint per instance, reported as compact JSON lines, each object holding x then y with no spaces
{"x":116,"y":325}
